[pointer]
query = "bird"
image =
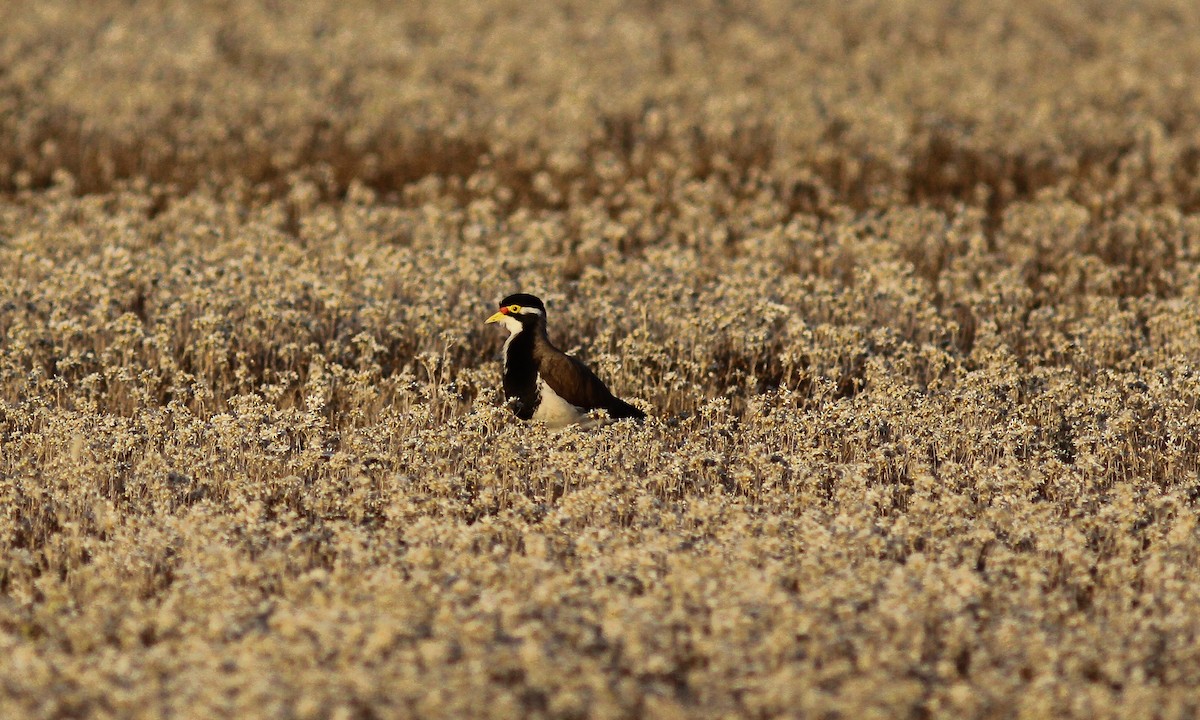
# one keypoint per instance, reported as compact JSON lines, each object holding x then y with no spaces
{"x":544,"y":383}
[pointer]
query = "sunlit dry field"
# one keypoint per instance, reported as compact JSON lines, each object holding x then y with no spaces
{"x":911,"y":292}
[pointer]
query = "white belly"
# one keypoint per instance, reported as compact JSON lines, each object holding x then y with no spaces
{"x":553,"y":411}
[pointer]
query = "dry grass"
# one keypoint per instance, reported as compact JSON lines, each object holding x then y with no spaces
{"x":913,"y":289}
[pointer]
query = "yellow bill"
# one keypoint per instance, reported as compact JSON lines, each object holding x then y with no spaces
{"x":497,"y":316}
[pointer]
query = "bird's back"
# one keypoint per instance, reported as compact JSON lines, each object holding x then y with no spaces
{"x":575,"y":382}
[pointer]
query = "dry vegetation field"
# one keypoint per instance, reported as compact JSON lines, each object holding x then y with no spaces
{"x":911,"y":290}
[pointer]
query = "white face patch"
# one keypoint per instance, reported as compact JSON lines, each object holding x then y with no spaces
{"x":512,"y":324}
{"x":554,"y":412}
{"x":514,"y":329}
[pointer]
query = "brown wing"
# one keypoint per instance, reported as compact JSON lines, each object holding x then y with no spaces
{"x":572,"y":380}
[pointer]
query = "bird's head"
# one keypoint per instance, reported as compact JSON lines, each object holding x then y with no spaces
{"x":519,"y":311}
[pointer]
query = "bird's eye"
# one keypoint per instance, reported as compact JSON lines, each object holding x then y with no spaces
{"x":514,"y":308}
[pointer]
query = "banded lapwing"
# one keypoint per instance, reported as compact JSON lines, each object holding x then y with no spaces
{"x":542,"y":382}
